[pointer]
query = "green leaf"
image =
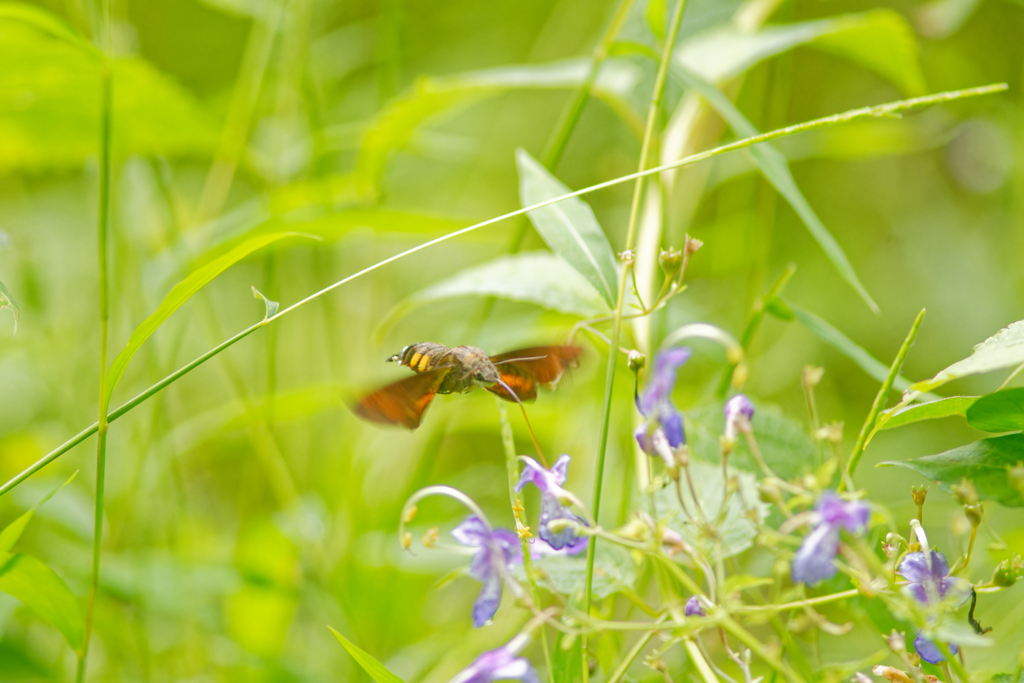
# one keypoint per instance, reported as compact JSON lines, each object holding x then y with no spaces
{"x":984,"y":462}
{"x":567,"y":659}
{"x":944,"y":407}
{"x":269,"y":307}
{"x":371,"y":666}
{"x":656,"y":16}
{"x":540,"y":278}
{"x":45,"y":593}
{"x":846,"y":346}
{"x":569,"y":227}
{"x":880,"y":40}
{"x":182,"y":292}
{"x":7,"y":301}
{"x":613,"y":571}
{"x":12,"y":532}
{"x":1004,"y":349}
{"x":776,"y":170}
{"x":45,"y":22}
{"x":1002,"y":411}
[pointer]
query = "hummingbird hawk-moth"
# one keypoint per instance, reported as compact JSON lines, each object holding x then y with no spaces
{"x":513,"y":376}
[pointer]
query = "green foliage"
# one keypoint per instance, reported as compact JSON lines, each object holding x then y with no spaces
{"x":984,"y":462}
{"x":7,"y":301}
{"x":371,"y":666}
{"x":1002,"y":411}
{"x":45,"y":593}
{"x":569,"y":227}
{"x":909,"y":414}
{"x":1004,"y":349}
{"x":614,"y":572}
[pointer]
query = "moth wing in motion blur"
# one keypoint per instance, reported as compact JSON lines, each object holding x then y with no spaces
{"x":524,"y":369}
{"x":404,"y":401}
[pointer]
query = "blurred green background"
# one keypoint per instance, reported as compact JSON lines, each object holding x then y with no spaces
{"x":246,"y":507}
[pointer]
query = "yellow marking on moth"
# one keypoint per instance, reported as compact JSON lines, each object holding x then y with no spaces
{"x":424,"y":363}
{"x":414,"y":360}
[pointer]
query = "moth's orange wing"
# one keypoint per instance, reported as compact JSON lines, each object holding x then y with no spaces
{"x":524,"y":369}
{"x":402,"y":402}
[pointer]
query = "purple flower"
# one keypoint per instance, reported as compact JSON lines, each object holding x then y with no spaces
{"x":503,"y":664}
{"x":551,"y":494}
{"x":738,"y":413}
{"x":498,"y":551}
{"x":926,"y":583}
{"x":694,"y":608}
{"x":929,"y":651}
{"x":813,"y":562}
{"x":664,"y":425}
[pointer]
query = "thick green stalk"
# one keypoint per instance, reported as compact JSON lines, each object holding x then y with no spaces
{"x":876,"y":407}
{"x":634,"y":212}
{"x":887,"y":109}
{"x":106,"y":104}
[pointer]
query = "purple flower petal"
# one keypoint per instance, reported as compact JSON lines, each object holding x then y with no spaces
{"x":672,"y":424}
{"x":851,"y":515}
{"x":694,"y":608}
{"x":914,"y":567}
{"x":643,"y":438}
{"x":486,"y":604}
{"x":560,"y":469}
{"x":940,"y":567}
{"x":929,"y":651}
{"x":472,"y":532}
{"x":518,"y":669}
{"x":662,"y":379}
{"x":550,"y":510}
{"x":737,"y":408}
{"x":813,"y":562}
{"x":500,"y":664}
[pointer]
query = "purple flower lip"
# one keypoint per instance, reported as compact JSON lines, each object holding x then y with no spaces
{"x":498,"y":551}
{"x":663,"y":431}
{"x":929,"y":651}
{"x":738,"y":410}
{"x":549,"y":482}
{"x":693,"y":608}
{"x":814,"y":561}
{"x":502,"y":664}
{"x":930,"y":583}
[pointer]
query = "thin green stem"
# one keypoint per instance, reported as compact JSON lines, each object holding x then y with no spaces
{"x":633,"y":653}
{"x":864,"y":112}
{"x":883,"y":392}
{"x":634,"y":212}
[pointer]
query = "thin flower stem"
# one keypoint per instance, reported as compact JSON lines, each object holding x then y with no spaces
{"x":699,"y":661}
{"x":883,"y":392}
{"x":876,"y":111}
{"x":799,"y":604}
{"x":634,"y":652}
{"x":634,"y":212}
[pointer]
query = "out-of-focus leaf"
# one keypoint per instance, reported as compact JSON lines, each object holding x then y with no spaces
{"x":182,"y":292}
{"x":17,"y":665}
{"x":785,"y":445}
{"x":1004,"y":349}
{"x":397,"y":123}
{"x":846,"y":346}
{"x":567,"y":659}
{"x":1002,"y":411}
{"x":269,"y":307}
{"x":371,"y":666}
{"x":569,"y":227}
{"x":45,"y":593}
{"x":737,"y":530}
{"x":538,"y":278}
{"x":50,"y":111}
{"x":940,"y":19}
{"x":776,"y":171}
{"x":7,"y":301}
{"x":12,"y":532}
{"x":944,"y":407}
{"x":879,"y":40}
{"x":258,"y":616}
{"x":656,"y":15}
{"x":45,"y":22}
{"x":984,"y":462}
{"x":613,"y":571}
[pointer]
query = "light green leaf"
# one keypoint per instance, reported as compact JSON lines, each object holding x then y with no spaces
{"x":656,"y":16}
{"x":12,"y":532}
{"x":1002,"y":411}
{"x":1004,"y":349}
{"x":569,"y":227}
{"x":182,"y":292}
{"x":397,"y":123}
{"x":269,"y":307}
{"x":880,"y":40}
{"x":45,"y":22}
{"x":944,"y":407}
{"x":45,"y":593}
{"x":613,"y":571}
{"x":7,"y":301}
{"x":371,"y":666}
{"x":776,"y":170}
{"x":846,"y":346}
{"x":984,"y":462}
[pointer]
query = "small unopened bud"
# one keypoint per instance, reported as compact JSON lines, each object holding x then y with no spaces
{"x":739,"y":376}
{"x":409,"y":514}
{"x":627,"y":256}
{"x":1015,"y":475}
{"x":811,"y":376}
{"x":692,"y":244}
{"x":890,"y":550}
{"x":897,"y":642}
{"x":974,"y":513}
{"x":918,"y":494}
{"x":637,"y":361}
{"x":670,"y":261}
{"x":769,"y":491}
{"x":656,"y":663}
{"x":406,"y":540}
{"x":1005,"y":575}
{"x":431,"y":537}
{"x":964,"y":493}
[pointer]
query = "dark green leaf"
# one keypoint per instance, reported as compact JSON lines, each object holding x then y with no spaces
{"x":371,"y":666}
{"x":569,"y":227}
{"x":1004,"y":349}
{"x":944,"y":407}
{"x":1002,"y":411}
{"x":45,"y":593}
{"x":984,"y":462}
{"x":7,"y":301}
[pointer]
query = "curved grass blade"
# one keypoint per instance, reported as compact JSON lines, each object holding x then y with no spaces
{"x":569,"y":228}
{"x":45,"y":593}
{"x":371,"y":666}
{"x":182,"y":292}
{"x":12,"y":532}
{"x":7,"y":301}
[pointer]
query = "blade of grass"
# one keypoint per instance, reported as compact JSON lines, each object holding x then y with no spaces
{"x":370,"y":665}
{"x":887,"y":109}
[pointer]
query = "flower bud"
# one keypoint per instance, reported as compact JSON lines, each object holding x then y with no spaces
{"x":1016,"y":476}
{"x":636,"y":361}
{"x":409,"y":514}
{"x":1004,"y":575}
{"x":964,"y":493}
{"x":811,"y":376}
{"x":692,"y":244}
{"x":406,"y":540}
{"x":974,"y":513}
{"x":896,"y":641}
{"x":918,"y":495}
{"x":627,"y":256}
{"x":768,"y":491}
{"x":671,"y":261}
{"x":890,"y":550}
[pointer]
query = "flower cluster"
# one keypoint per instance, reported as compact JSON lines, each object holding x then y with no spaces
{"x":929,"y":582}
{"x":662,"y":432}
{"x":815,"y":560}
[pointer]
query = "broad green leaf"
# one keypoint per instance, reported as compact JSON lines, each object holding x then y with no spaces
{"x":1004,"y":349}
{"x":569,"y":227}
{"x":45,"y":593}
{"x":7,"y":301}
{"x":12,"y":532}
{"x":944,"y":407}
{"x":880,"y":40}
{"x":984,"y":462}
{"x":45,"y":22}
{"x":1002,"y":411}
{"x":743,"y":513}
{"x":846,"y":346}
{"x":540,"y":278}
{"x":432,"y":97}
{"x":567,"y":659}
{"x":182,"y":292}
{"x":776,"y":170}
{"x":371,"y":666}
{"x":614,"y":570}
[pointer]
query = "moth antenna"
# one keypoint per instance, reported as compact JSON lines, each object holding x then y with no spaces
{"x":517,"y":360}
{"x":529,"y":427}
